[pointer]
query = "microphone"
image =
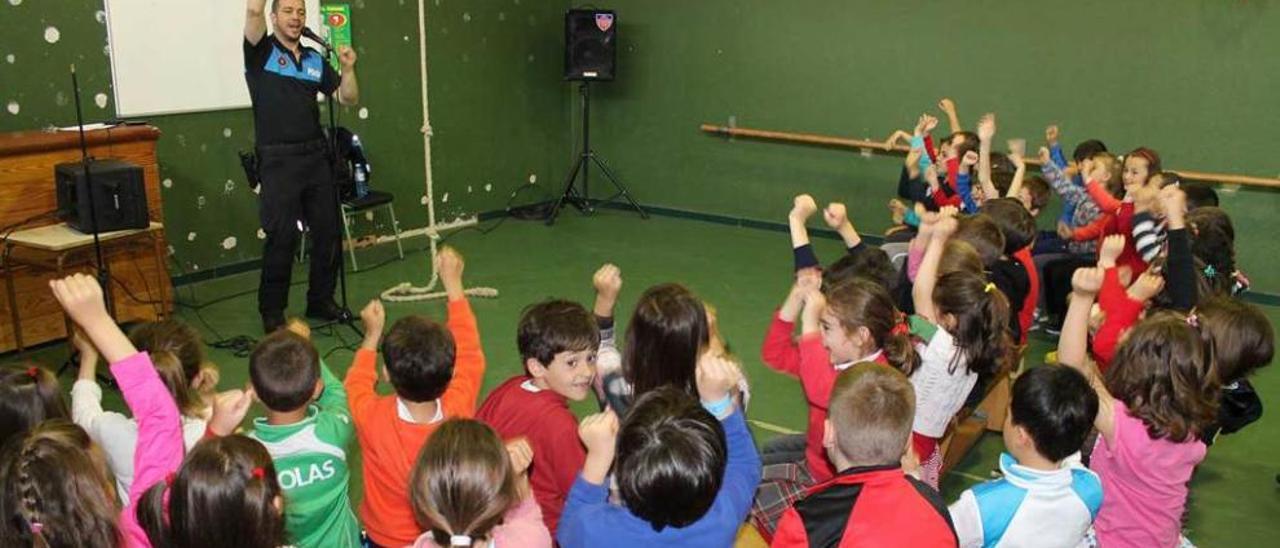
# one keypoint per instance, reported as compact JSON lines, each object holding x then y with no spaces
{"x":307,"y":32}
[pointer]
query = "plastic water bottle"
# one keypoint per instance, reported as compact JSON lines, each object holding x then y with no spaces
{"x":360,"y":169}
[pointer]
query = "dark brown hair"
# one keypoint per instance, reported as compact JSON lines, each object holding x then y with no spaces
{"x":171,"y":374}
{"x":871,"y":263}
{"x":554,"y":326}
{"x":871,"y":410}
{"x":960,"y":256}
{"x":284,"y":369}
{"x":1163,"y":372}
{"x":1002,"y":171}
{"x":667,"y":333}
{"x":54,"y":476}
{"x":1039,"y":190}
{"x":671,"y":458}
{"x":462,"y":483}
{"x":1213,"y":242}
{"x":175,"y":337}
{"x":177,"y":351}
{"x":971,"y":142}
{"x":224,"y":494}
{"x":863,"y":303}
{"x":29,"y":395}
{"x":1243,"y":339}
{"x":1014,"y":221}
{"x":981,"y":312}
{"x":419,"y":355}
{"x":984,"y":235}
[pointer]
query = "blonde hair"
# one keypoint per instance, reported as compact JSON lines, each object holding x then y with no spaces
{"x":871,"y":410}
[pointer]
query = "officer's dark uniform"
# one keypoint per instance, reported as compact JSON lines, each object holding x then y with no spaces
{"x":297,"y":183}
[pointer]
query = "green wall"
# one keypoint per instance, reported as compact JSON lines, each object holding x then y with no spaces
{"x":498,"y":111}
{"x":1195,"y":79}
{"x":1192,"y":78}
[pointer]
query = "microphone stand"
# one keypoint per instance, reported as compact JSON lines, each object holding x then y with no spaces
{"x":103,"y":269}
{"x":345,"y":317}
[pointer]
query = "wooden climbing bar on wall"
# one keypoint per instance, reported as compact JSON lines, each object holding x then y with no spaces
{"x":887,"y":147}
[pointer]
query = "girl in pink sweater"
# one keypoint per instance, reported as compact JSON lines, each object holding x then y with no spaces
{"x":468,"y":489}
{"x":1158,"y":396}
{"x":56,"y":462}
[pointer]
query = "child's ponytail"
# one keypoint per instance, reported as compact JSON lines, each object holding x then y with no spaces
{"x":900,"y":351}
{"x":175,"y":379}
{"x":860,"y":302}
{"x":29,"y":395}
{"x":55,"y":490}
{"x":462,"y":484}
{"x":981,"y":313}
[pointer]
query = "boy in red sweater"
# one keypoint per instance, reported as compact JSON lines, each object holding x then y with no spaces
{"x":871,"y":501}
{"x":558,"y":341}
{"x":436,"y":372}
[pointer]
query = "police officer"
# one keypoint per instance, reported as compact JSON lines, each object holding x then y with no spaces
{"x":294,"y":159}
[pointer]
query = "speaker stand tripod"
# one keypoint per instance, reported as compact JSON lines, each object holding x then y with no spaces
{"x":582,"y":201}
{"x":103,"y":272}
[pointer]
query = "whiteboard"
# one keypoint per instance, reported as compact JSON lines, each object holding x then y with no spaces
{"x":173,"y":56}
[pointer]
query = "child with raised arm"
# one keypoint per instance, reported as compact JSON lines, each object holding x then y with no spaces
{"x":436,"y":372}
{"x":685,"y":472}
{"x":862,"y":259}
{"x":854,"y":321}
{"x":962,"y":322}
{"x":158,"y":451}
{"x":116,"y":433}
{"x":306,"y":430}
{"x":1159,"y":396}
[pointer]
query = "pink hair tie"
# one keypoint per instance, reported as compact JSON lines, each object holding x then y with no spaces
{"x":1193,"y":320}
{"x":36,"y":528}
{"x":33,"y":372}
{"x":258,"y":472}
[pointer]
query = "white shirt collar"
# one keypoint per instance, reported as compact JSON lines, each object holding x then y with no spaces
{"x":868,"y":358}
{"x":403,"y":412}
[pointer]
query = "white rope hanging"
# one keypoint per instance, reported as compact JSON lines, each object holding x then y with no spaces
{"x":406,"y":291}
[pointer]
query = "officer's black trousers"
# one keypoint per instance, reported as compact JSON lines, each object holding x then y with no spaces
{"x":297,"y":190}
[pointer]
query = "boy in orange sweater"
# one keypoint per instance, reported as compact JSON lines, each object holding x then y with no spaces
{"x":436,"y":373}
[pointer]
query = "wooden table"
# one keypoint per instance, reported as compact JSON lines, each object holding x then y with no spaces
{"x":60,"y":248}
{"x":27,"y":160}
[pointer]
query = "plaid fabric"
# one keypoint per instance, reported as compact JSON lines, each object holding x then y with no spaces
{"x":781,"y":485}
{"x":931,"y":468}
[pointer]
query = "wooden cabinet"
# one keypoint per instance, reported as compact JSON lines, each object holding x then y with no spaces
{"x":140,"y":282}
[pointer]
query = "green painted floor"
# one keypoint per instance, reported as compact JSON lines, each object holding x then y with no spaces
{"x":745,"y":273}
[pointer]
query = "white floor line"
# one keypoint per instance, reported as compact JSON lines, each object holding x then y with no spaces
{"x":973,"y":477}
{"x":772,"y":427}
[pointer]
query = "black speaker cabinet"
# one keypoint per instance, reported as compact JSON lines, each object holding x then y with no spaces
{"x":119,"y":195}
{"x":590,"y":44}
